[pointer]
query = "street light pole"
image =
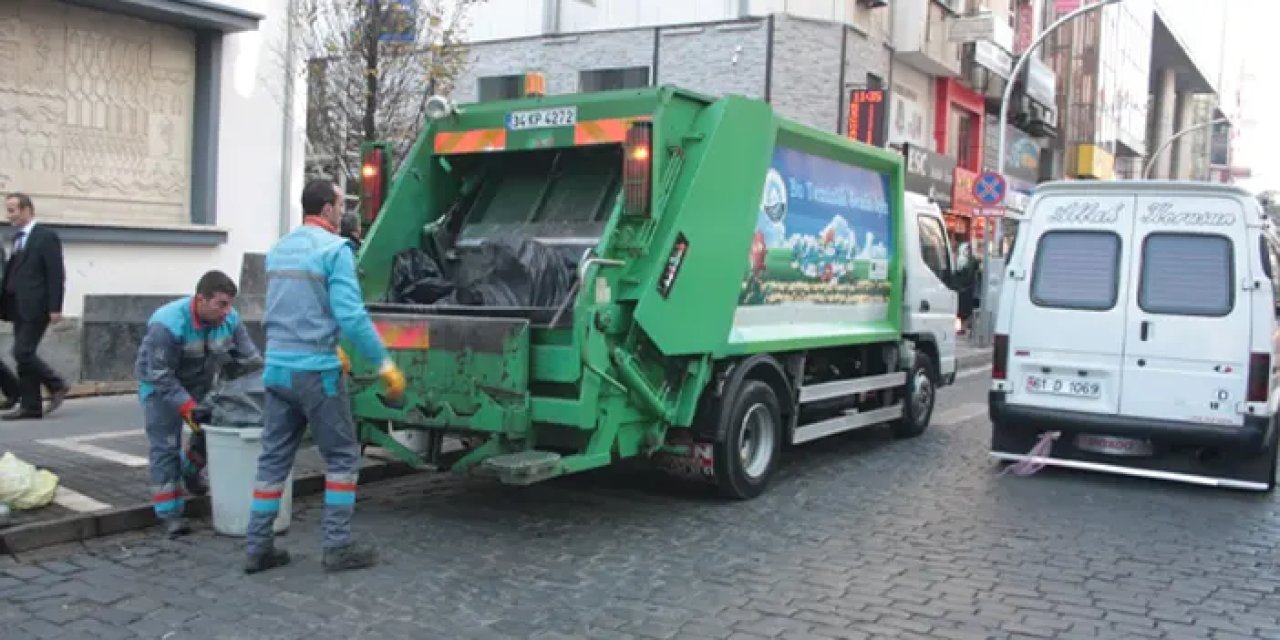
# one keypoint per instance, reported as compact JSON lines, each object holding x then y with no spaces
{"x":1151,"y":161}
{"x":988,"y":305}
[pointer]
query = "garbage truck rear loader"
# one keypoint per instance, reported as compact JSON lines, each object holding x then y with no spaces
{"x":568,"y":281}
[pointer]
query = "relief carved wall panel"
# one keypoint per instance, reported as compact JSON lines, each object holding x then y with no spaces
{"x":96,"y":114}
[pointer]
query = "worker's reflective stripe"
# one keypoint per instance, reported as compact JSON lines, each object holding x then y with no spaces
{"x":607,"y":131}
{"x":266,"y":499}
{"x":471,"y":141}
{"x":166,"y":499}
{"x":340,"y":490}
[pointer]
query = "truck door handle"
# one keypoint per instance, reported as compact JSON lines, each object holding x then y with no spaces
{"x":924,"y":305}
{"x":1146,"y":329}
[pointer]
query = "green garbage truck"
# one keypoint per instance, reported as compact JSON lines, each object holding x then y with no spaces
{"x":570,"y":281}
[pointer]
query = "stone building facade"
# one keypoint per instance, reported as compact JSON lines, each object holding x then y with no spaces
{"x":804,"y":67}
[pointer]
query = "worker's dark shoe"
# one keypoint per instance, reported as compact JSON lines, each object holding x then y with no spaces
{"x":352,"y":556}
{"x":176,"y":527}
{"x":269,"y":560}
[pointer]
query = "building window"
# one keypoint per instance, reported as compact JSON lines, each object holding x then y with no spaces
{"x":500,"y":87}
{"x":613,"y":79}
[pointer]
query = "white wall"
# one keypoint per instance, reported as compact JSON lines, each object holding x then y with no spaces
{"x":249,"y":179}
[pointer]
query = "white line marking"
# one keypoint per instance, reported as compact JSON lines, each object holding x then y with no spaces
{"x":961,"y":413}
{"x":105,"y":435}
{"x":76,"y":501}
{"x":969,"y":373}
{"x":96,"y":452}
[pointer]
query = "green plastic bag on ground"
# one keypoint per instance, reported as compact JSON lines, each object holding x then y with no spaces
{"x":22,"y":486}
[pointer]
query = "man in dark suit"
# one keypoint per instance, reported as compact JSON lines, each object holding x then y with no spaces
{"x":31,"y":298}
{"x":8,"y":382}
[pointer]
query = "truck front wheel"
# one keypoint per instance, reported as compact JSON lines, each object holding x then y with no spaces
{"x":918,"y":399}
{"x":747,"y":455}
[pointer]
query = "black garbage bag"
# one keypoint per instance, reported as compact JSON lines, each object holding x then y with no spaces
{"x":512,"y":273}
{"x":417,"y":279}
{"x":234,"y":402}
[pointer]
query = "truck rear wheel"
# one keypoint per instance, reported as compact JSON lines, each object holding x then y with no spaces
{"x":745,"y":458}
{"x":918,"y":400}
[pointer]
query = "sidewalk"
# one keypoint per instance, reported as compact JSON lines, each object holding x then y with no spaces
{"x":98,"y":449}
{"x":970,"y":357}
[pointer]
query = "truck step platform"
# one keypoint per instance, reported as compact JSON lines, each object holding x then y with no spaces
{"x":524,"y":467}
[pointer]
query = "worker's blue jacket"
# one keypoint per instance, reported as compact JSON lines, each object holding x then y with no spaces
{"x":312,"y":296}
{"x":180,"y":354}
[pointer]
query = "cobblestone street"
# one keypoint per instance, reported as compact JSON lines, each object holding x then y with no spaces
{"x":859,"y":537}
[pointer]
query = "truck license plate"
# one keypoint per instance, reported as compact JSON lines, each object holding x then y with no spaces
{"x":1064,"y":387}
{"x":542,"y":118}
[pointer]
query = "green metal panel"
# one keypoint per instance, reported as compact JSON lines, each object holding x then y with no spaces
{"x":713,"y":207}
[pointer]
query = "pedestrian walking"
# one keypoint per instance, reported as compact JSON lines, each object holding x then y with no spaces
{"x":187,"y":342}
{"x":312,"y":297}
{"x":34,"y":285}
{"x":9,"y":385}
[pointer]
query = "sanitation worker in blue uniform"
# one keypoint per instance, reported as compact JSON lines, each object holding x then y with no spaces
{"x":312,"y":296}
{"x":186,"y":344}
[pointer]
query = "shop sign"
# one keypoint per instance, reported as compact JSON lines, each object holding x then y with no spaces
{"x":907,"y":118}
{"x":1042,"y":83}
{"x":866,"y":116}
{"x":962,"y":199}
{"x":930,"y":174}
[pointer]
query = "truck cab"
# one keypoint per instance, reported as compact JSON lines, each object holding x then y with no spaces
{"x":930,"y":305}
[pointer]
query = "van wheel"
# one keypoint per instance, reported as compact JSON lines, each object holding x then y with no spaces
{"x":917,"y":403}
{"x":746,"y":457}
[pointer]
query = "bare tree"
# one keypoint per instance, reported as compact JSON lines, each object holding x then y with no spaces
{"x":370,"y":65}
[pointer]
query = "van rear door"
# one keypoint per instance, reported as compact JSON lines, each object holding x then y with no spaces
{"x":1068,"y":317}
{"x":1187,"y":337}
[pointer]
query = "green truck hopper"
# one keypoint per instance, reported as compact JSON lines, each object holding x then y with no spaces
{"x":572,"y":280}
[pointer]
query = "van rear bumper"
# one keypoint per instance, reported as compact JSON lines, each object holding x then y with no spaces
{"x":1253,"y":435}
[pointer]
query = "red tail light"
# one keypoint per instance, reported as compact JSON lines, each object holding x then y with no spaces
{"x":637,"y":169}
{"x":1259,"y":377}
{"x":999,"y":357}
{"x":372,"y":183}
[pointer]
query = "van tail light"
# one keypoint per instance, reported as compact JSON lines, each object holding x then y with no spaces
{"x":373,"y":183}
{"x":637,"y":169}
{"x":1259,"y":377}
{"x":1000,"y":357}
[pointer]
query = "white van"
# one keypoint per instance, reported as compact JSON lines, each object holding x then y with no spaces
{"x":1137,"y":330}
{"x":930,"y":305}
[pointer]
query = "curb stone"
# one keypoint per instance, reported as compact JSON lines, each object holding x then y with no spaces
{"x":77,"y":528}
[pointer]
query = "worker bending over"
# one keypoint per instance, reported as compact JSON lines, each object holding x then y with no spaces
{"x":312,"y":296}
{"x":187,"y":342}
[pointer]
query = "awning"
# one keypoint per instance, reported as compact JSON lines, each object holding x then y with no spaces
{"x":194,"y":14}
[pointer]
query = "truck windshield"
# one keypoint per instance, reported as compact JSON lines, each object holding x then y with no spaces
{"x":554,"y":196}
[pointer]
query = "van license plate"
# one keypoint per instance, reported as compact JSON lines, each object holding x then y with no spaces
{"x":1064,"y":387}
{"x":1112,"y":445}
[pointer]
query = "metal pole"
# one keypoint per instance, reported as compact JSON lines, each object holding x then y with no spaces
{"x":988,"y":305}
{"x":1151,"y":161}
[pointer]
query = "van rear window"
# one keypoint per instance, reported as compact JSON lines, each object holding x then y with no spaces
{"x":1077,"y":270}
{"x":1187,"y":275}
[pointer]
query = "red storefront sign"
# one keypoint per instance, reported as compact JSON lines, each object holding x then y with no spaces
{"x":963,"y":201}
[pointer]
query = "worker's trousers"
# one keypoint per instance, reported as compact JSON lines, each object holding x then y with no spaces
{"x":167,"y":463}
{"x":294,"y":400}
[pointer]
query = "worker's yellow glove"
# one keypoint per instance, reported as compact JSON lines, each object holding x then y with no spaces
{"x":393,"y":379}
{"x":345,"y":361}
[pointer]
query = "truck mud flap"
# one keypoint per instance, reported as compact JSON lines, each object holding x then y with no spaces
{"x":463,"y":373}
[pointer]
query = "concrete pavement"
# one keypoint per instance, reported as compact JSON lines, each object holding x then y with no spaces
{"x":860,"y":536}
